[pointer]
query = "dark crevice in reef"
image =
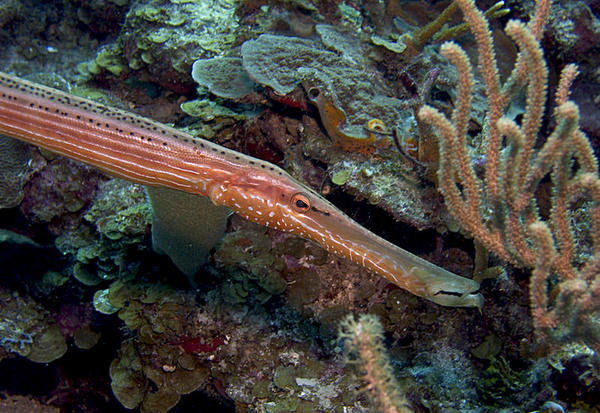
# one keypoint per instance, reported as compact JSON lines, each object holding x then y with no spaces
{"x":405,"y":236}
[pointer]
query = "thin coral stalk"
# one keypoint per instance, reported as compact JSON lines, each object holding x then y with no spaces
{"x":364,"y":341}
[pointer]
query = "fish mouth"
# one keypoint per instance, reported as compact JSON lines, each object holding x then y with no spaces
{"x":459,"y":299}
{"x":446,"y":288}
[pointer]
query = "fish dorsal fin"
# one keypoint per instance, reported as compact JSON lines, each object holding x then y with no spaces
{"x":185,"y":226}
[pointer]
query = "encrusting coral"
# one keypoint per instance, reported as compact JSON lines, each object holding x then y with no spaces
{"x":27,"y":329}
{"x":177,"y":346}
{"x":110,"y":235}
{"x":161,"y":352}
{"x":15,"y":171}
{"x":163,"y":38}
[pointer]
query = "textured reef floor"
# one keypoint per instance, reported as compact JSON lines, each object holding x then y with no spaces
{"x":93,"y":320}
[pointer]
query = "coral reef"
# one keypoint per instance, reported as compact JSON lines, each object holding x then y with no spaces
{"x":15,"y":158}
{"x":165,"y":37}
{"x":332,"y":99}
{"x":62,"y":187}
{"x":109,"y":235}
{"x":161,"y":321}
{"x":27,"y":329}
{"x":349,"y":99}
{"x":180,"y":347}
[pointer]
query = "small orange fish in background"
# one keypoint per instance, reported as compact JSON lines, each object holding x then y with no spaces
{"x":333,"y":120}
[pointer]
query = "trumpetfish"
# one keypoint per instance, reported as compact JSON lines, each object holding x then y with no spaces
{"x":138,"y":149}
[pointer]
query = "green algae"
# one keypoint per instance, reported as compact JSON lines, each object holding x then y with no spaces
{"x":488,"y":349}
{"x":159,"y":327}
{"x":27,"y":329}
{"x":47,"y":346}
{"x":84,"y":276}
{"x":118,"y":220}
{"x":253,"y":270}
{"x":261,"y":390}
{"x":102,"y":303}
{"x":85,"y":338}
{"x":109,"y":60}
{"x":15,"y":169}
{"x":500,"y":380}
{"x":210,"y":111}
{"x":305,"y":287}
{"x":341,"y":177}
{"x":234,"y":293}
{"x":168,"y":34}
{"x":159,"y":36}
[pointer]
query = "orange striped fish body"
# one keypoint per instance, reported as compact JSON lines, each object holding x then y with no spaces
{"x":149,"y":153}
{"x":118,"y":142}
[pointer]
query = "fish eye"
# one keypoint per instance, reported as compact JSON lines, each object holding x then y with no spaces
{"x":313,"y":93}
{"x":377,"y":126}
{"x":300,"y":203}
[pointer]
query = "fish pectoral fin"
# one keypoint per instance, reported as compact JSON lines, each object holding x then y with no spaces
{"x":185,"y":226}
